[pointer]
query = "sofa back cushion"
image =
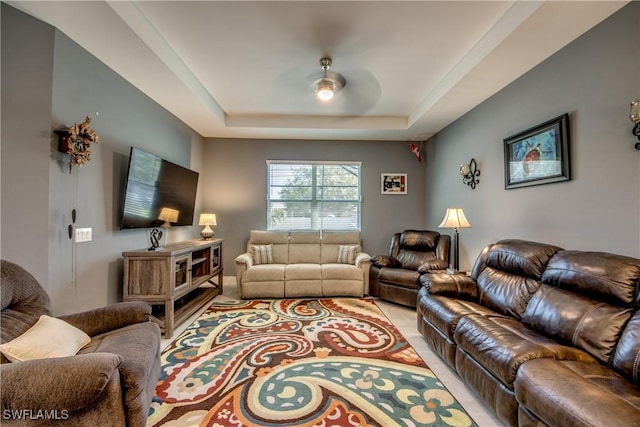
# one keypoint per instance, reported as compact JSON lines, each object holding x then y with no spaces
{"x":278,"y":239}
{"x":627,"y":356}
{"x":415,"y":247}
{"x":22,"y":302}
{"x":331,"y":242}
{"x":304,"y":247}
{"x":586,"y":300}
{"x":511,"y":274}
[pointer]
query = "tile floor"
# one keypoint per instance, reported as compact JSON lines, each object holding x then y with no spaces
{"x":405,"y":320}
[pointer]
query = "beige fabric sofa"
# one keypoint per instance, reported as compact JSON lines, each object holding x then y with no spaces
{"x":304,"y":264}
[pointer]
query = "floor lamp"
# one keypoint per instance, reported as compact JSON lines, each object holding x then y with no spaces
{"x":454,"y":218}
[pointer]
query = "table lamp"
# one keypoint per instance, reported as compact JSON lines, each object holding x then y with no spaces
{"x":207,"y":219}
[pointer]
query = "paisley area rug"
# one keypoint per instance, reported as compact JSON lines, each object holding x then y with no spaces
{"x":326,"y":362}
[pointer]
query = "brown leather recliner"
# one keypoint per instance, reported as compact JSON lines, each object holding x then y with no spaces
{"x":396,"y":277}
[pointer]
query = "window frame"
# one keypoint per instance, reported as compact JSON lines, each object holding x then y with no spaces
{"x":314,"y":198}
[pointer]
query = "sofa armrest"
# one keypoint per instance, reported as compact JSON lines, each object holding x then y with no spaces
{"x":63,"y":383}
{"x":453,"y":285}
{"x":243,"y":263}
{"x":382,"y":261}
{"x":363,"y":260}
{"x":109,"y":318}
{"x":436,"y":264}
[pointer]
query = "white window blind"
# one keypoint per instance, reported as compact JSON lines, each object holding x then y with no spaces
{"x":313,"y":195}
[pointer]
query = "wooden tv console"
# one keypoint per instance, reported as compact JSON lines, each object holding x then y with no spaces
{"x":178,"y":276}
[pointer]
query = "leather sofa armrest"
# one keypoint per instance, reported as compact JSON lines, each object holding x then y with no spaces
{"x":109,"y":318}
{"x":63,"y":383}
{"x":437,"y":264}
{"x":382,"y":261}
{"x":453,"y":285}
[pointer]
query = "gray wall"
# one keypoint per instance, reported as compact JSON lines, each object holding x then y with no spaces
{"x":593,"y":79}
{"x":235,"y":186}
{"x":63,"y":86}
{"x":27,"y":62}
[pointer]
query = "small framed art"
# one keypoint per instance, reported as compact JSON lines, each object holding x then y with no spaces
{"x":393,"y":183}
{"x":539,"y":155}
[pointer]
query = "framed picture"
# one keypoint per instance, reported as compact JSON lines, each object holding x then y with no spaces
{"x":539,"y":155}
{"x":393,"y":183}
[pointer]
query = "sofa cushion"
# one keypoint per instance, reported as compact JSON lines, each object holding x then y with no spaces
{"x":627,"y":355}
{"x":302,"y":272}
{"x":604,"y":276}
{"x":304,"y":247}
{"x":400,"y":277}
{"x":504,"y":292}
{"x":264,"y":272}
{"x":341,"y":271}
{"x":502,"y":344}
{"x":577,"y":394}
{"x":262,"y":254}
{"x":279,"y":240}
{"x":331,"y":242}
{"x":576,"y":320}
{"x":520,"y":257}
{"x":49,"y":337}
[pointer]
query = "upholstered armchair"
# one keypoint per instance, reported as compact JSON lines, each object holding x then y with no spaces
{"x":47,"y":381}
{"x":396,"y":277}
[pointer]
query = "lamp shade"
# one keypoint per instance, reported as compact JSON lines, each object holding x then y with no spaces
{"x":168,"y":215}
{"x":207,"y":219}
{"x":454,"y":218}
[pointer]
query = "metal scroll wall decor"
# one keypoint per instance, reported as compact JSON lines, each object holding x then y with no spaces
{"x":470,"y":173}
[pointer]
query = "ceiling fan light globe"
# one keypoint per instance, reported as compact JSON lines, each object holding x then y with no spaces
{"x":324,"y":90}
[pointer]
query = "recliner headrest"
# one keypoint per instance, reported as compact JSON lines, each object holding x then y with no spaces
{"x":419,"y":240}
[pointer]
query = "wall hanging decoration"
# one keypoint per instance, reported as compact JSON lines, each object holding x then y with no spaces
{"x":470,"y":173}
{"x":76,"y":142}
{"x":539,"y":155}
{"x":416,"y":151}
{"x":634,"y":115}
{"x":393,"y":183}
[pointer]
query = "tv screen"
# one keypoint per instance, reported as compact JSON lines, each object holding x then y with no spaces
{"x":157,"y":193}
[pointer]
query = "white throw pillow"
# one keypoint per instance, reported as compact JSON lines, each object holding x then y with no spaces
{"x":347,"y":254}
{"x":262,"y":254}
{"x":49,"y":337}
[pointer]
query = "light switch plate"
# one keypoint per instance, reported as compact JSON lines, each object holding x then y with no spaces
{"x":83,"y":235}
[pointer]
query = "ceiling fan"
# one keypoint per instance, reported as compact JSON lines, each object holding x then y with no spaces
{"x":330,"y":83}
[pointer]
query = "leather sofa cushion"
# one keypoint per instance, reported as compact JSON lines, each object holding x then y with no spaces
{"x":603,"y":276}
{"x":501,"y":345}
{"x":504,"y":292}
{"x":591,"y":394}
{"x":627,"y":356}
{"x":591,"y":325}
{"x":444,"y":313}
{"x":400,"y":277}
{"x":419,"y":240}
{"x":521,"y":258}
{"x":412,"y":260}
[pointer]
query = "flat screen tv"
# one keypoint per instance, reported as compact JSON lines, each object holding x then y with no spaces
{"x":157,"y":193}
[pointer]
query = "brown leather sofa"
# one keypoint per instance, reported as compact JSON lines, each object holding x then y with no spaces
{"x":109,"y":382}
{"x":544,"y":336}
{"x":396,"y":277}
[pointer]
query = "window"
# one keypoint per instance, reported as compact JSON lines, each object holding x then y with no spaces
{"x":313,"y":195}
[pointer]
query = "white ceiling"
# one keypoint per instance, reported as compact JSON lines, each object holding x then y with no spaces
{"x":240,"y":69}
